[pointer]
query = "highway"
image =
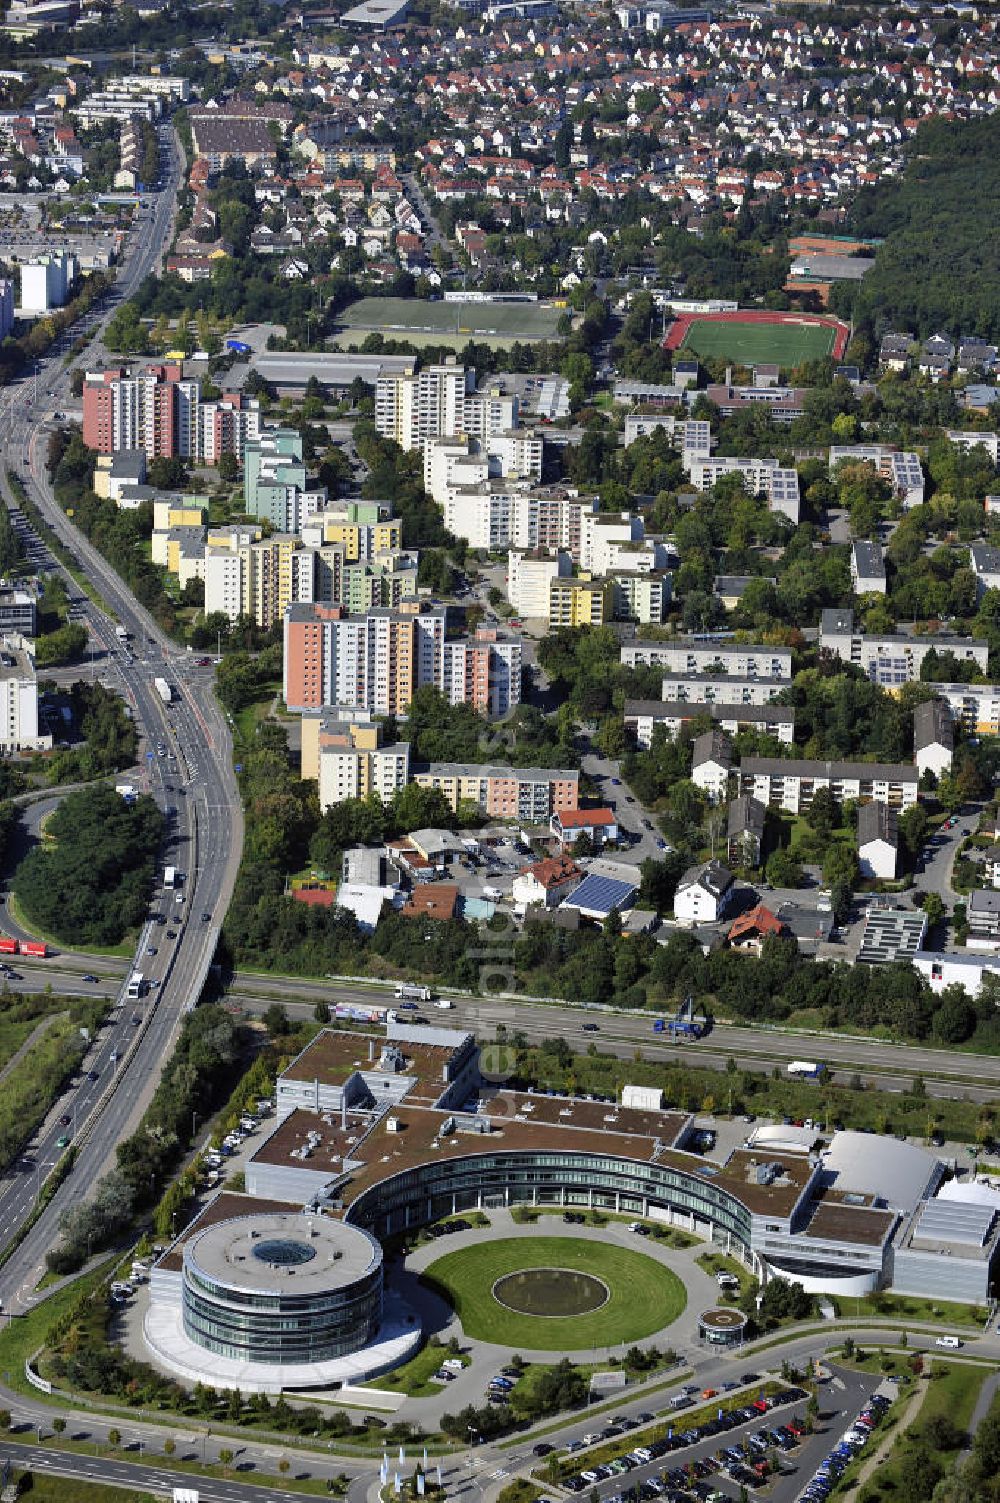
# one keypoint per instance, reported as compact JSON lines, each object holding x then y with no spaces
{"x":893,"y":1067}
{"x":187,"y":756}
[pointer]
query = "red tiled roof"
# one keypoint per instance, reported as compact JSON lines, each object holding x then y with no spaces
{"x":759,"y":920}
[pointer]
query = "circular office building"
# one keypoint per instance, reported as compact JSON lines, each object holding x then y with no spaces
{"x":278,"y":1300}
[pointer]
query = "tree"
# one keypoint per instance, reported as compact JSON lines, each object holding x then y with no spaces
{"x":321,"y":1012}
{"x":823,"y":814}
{"x":228,"y":466}
{"x":59,"y":1424}
{"x":276,"y":1020}
{"x":114,"y":1437}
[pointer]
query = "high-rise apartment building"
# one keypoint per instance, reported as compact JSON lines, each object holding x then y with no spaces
{"x":364,"y":528}
{"x":377,"y":660}
{"x":441,"y":401}
{"x":428,"y":404}
{"x":345,"y":754}
{"x":250,"y":575}
{"x":484,"y":671}
{"x":276,"y":486}
{"x":157,"y":411}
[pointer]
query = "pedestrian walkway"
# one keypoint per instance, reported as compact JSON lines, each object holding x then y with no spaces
{"x":903,"y":1423}
{"x":438,"y":1318}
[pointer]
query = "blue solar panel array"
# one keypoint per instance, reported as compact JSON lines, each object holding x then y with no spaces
{"x":601,"y":894}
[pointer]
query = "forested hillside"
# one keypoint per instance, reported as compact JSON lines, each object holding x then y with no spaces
{"x":939,"y":266}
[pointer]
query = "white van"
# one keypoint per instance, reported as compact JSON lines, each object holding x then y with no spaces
{"x":949,"y":1341}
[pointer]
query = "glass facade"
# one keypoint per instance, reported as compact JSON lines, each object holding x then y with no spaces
{"x":546,"y":1178}
{"x":260,"y":1326}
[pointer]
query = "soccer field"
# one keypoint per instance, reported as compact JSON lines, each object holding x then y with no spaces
{"x":402,"y":316}
{"x":759,"y":343}
{"x":642,"y":1295}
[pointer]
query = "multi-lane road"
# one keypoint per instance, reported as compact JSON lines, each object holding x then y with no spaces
{"x":889,"y":1066}
{"x":188,"y":770}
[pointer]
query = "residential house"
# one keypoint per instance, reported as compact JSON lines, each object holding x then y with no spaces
{"x":878,"y":841}
{"x":867,"y":568}
{"x":933,"y":737}
{"x":712,"y":763}
{"x":749,"y":931}
{"x":745,"y":830}
{"x":547,"y":882}
{"x":704,"y":893}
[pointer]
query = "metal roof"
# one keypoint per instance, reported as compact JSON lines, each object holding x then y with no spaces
{"x":951,"y":1221}
{"x":899,"y":1174}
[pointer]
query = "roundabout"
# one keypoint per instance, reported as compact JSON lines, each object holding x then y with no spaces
{"x":547,"y":1293}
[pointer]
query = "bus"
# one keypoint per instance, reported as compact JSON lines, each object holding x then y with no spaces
{"x":136,"y":986}
{"x":170,"y":877}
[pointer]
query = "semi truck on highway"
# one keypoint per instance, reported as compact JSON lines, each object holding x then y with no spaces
{"x":33,"y":947}
{"x":164,"y":690}
{"x":121,"y":633}
{"x":804,"y":1069}
{"x":407,"y":993}
{"x":357,"y":1012}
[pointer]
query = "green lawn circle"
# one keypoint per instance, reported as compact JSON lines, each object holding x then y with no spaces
{"x":644,"y":1295}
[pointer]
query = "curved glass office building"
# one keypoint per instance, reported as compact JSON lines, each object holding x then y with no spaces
{"x":282,"y":1288}
{"x":549,"y":1177}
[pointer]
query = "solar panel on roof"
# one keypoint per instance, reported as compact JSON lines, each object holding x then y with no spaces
{"x":601,"y":894}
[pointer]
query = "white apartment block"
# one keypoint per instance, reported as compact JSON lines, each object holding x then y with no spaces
{"x":453,"y":464}
{"x":985,"y":565}
{"x":502,"y":514}
{"x":46,"y":282}
{"x":483,"y":515}
{"x":728,"y":691}
{"x":972,"y":441}
{"x":641,"y":596}
{"x":257,"y":578}
{"x":741,"y":660}
{"x":529,"y":578}
{"x":642,"y":716}
{"x":692,"y":436}
{"x":224,"y":429}
{"x":169,"y":87}
{"x":602,"y":533}
{"x":975,"y":706}
{"x":902,"y":469}
{"x":517,"y":453}
{"x":19,"y":697}
{"x":867,"y":568}
{"x":891,"y":660}
{"x":790,"y":785}
{"x":355,"y":771}
{"x":762,"y":477}
{"x":429,"y":403}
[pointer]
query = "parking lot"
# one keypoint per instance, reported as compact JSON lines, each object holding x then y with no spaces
{"x":714,"y":1460}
